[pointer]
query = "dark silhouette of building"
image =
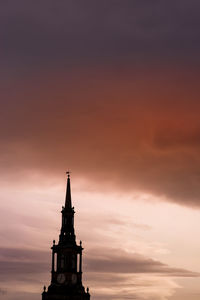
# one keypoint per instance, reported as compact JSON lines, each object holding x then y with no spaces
{"x":66,"y":272}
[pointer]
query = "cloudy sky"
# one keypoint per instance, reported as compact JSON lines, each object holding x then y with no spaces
{"x":110,"y":90}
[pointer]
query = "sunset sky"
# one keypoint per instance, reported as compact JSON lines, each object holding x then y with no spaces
{"x":108,"y":89}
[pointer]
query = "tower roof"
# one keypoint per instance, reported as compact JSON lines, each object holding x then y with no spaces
{"x":68,"y":201}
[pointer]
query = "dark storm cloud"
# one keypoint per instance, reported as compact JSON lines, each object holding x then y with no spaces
{"x":50,"y":32}
{"x":136,"y":129}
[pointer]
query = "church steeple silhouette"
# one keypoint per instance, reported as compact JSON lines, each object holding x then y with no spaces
{"x":66,"y":271}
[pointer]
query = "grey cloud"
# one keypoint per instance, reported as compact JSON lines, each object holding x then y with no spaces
{"x":23,"y":271}
{"x":25,"y":255}
{"x":3,"y":292}
{"x":21,"y":295}
{"x":104,"y":271}
{"x":23,"y":264}
{"x":24,"y":261}
{"x":118,"y":262}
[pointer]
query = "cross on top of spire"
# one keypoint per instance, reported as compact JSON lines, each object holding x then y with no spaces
{"x":68,"y":174}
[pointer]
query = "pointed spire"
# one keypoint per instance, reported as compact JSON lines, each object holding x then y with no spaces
{"x":68,"y":201}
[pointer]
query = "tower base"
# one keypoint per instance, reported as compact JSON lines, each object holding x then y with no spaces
{"x":65,"y":293}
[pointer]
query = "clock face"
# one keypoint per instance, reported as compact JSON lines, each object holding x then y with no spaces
{"x":74,"y":278}
{"x":61,"y":278}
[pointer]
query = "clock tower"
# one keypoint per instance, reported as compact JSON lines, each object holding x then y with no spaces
{"x":66,"y":271}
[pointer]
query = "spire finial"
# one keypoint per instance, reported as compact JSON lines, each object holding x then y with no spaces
{"x":68,"y":174}
{"x":68,"y":202}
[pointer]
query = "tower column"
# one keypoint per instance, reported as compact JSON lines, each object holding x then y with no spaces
{"x":80,"y":262}
{"x":53,"y":261}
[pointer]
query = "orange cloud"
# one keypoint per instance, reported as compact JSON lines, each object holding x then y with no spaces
{"x":136,"y":130}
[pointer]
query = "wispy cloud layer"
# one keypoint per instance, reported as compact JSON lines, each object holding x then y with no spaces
{"x":106,"y":269}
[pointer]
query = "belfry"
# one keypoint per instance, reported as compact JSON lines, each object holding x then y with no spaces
{"x":66,"y":271}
